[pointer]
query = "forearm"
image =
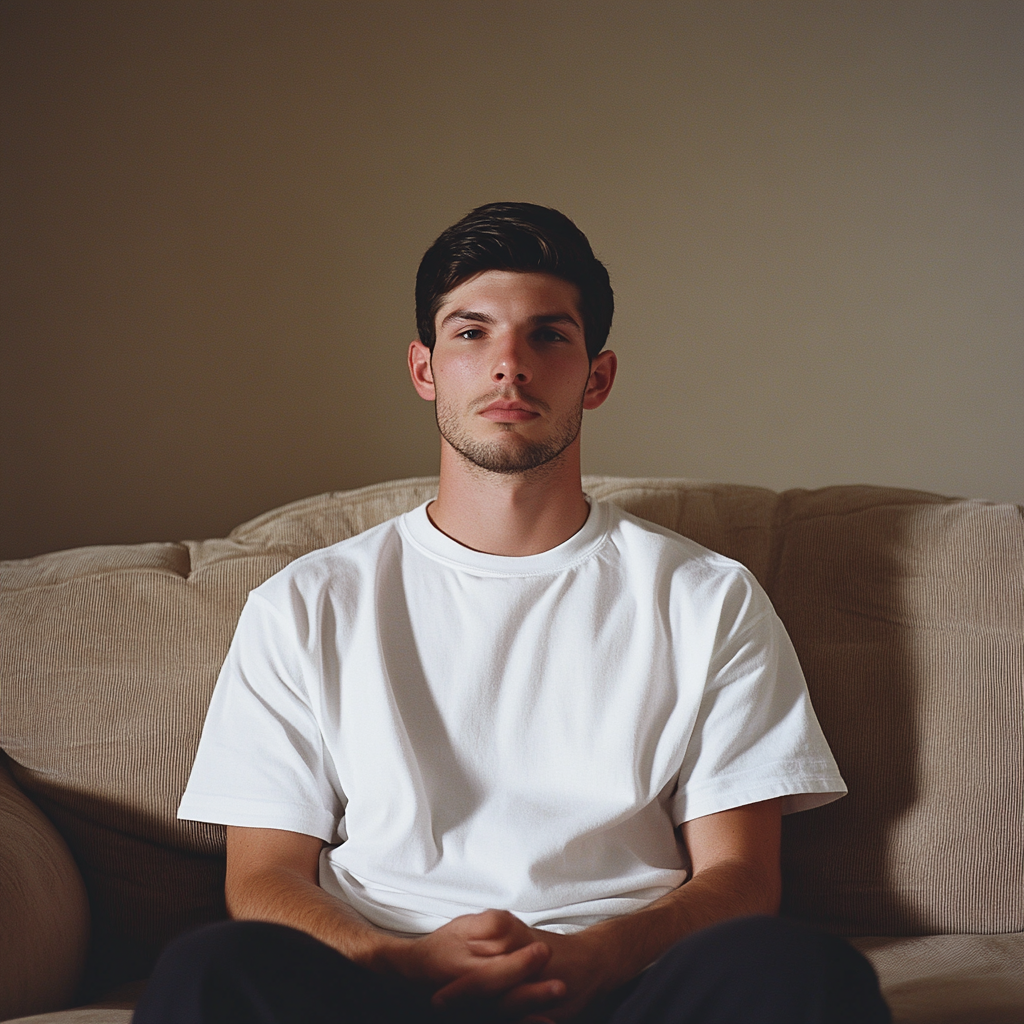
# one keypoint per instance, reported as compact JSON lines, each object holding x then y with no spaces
{"x":283,"y":896}
{"x":493,"y":940}
{"x":630,"y":943}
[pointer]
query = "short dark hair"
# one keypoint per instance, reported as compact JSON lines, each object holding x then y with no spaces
{"x":520,"y":237}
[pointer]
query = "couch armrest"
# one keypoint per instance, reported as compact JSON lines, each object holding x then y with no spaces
{"x":44,"y":912}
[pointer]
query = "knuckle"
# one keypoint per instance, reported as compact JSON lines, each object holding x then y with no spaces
{"x":498,"y":920}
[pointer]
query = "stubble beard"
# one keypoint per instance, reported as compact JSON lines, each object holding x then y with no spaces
{"x":510,"y":454}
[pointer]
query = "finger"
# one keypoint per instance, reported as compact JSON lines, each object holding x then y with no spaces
{"x":496,"y":946}
{"x":489,"y":924}
{"x":533,"y":996}
{"x":498,"y":927}
{"x":498,"y":975}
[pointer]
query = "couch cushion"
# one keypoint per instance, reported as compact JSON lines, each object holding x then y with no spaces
{"x":950,"y":979}
{"x":907,"y":611}
{"x":44,"y":915}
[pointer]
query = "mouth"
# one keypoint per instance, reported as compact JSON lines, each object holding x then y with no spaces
{"x":508,"y":411}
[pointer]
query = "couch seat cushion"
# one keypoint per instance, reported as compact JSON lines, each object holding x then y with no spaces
{"x":950,"y":979}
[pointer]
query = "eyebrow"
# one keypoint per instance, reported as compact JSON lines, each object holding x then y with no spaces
{"x":468,"y":314}
{"x":557,"y":318}
{"x":486,"y":318}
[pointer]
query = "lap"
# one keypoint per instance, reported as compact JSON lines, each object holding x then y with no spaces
{"x":759,"y":968}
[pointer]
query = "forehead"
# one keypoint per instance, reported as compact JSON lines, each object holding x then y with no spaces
{"x":510,"y":294}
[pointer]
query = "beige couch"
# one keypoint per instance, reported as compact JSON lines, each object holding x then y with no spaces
{"x":907,"y":610}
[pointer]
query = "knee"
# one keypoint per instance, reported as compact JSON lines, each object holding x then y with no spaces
{"x":212,"y":943}
{"x":788,"y":963}
{"x":233,"y":949}
{"x":774,"y":938}
{"x":770,"y":944}
{"x":223,"y":960}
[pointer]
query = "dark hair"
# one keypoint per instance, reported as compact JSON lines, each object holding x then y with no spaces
{"x":521,"y":237}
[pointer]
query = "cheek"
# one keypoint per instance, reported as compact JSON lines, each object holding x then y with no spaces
{"x":572,"y":377}
{"x":459,"y":373}
{"x":451,"y":391}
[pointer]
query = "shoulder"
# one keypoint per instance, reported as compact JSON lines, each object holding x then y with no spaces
{"x":340,"y":566}
{"x":641,"y":540}
{"x":680,"y":567}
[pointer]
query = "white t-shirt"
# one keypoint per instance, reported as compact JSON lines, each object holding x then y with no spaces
{"x":470,"y":730}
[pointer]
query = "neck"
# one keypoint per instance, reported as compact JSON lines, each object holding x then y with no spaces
{"x":513,"y":513}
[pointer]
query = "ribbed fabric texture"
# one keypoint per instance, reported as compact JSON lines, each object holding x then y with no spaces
{"x":907,"y":611}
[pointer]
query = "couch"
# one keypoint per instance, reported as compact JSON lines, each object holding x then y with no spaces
{"x":907,"y":611}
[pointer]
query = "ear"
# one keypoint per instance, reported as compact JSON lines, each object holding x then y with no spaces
{"x":421,"y":371}
{"x":602,"y":377}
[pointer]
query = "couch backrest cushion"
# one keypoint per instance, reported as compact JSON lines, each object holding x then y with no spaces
{"x":906,"y":610}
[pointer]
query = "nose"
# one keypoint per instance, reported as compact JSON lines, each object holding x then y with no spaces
{"x":511,"y":363}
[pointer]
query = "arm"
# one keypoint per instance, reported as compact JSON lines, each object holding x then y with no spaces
{"x":272,"y":875}
{"x":735,"y":858}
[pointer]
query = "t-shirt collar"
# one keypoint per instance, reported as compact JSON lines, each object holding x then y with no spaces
{"x":424,"y":535}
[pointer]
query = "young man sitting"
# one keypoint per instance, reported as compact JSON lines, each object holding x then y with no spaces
{"x":514,"y":755}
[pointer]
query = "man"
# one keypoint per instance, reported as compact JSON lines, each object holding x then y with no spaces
{"x":500,"y":755}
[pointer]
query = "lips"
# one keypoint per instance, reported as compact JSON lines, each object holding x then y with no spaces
{"x":508,"y":412}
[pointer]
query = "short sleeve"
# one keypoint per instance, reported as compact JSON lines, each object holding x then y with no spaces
{"x":756,"y":736}
{"x":262,"y":761}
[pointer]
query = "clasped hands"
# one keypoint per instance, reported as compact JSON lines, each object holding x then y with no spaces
{"x":494,"y":960}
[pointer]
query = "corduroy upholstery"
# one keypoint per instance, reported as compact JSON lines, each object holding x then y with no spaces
{"x":907,"y":611}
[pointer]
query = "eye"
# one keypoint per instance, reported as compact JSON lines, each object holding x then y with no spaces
{"x":470,"y":333}
{"x":549,"y":335}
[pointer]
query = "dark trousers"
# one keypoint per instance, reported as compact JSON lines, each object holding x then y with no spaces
{"x":752,"y":970}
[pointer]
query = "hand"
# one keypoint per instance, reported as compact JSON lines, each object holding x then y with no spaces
{"x":566,"y":981}
{"x":581,"y":962}
{"x":480,"y":958}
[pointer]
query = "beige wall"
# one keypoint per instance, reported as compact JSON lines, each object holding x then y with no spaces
{"x":812,"y":213}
